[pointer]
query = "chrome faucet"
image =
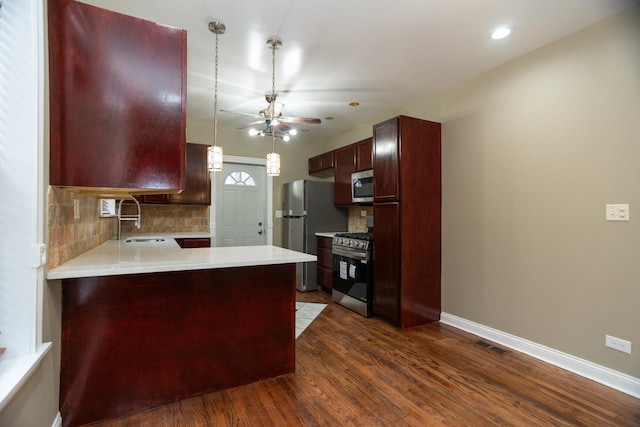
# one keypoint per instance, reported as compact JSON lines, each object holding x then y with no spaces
{"x":121,"y":217}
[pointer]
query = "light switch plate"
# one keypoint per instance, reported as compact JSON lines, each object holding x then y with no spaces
{"x":38,"y":255}
{"x":617,"y":212}
{"x":278,"y":214}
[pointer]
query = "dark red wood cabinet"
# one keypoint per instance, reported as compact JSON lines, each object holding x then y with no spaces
{"x":193,"y":242}
{"x":133,"y":342}
{"x":386,"y":301}
{"x":364,"y":155}
{"x":325,"y":263}
{"x":407,"y":237}
{"x":386,"y":162}
{"x":197,"y":187}
{"x":344,"y":166}
{"x":321,"y":163}
{"x":117,"y":101}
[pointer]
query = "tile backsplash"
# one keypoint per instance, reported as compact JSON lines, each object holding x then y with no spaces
{"x":357,"y":222}
{"x":168,"y":219}
{"x":70,"y":237}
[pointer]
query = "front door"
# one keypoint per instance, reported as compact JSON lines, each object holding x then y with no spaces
{"x":240,"y":205}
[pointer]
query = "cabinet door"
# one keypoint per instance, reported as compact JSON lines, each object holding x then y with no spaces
{"x":197,"y":186}
{"x":117,"y":100}
{"x":344,"y":160}
{"x":385,"y":161}
{"x":386,"y":261}
{"x":364,"y":155}
{"x":321,"y":163}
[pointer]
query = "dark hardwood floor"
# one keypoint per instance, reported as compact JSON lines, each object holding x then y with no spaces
{"x":355,"y":371}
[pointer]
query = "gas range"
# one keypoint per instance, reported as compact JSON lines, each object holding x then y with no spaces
{"x":354,"y":240}
{"x":353,"y":271}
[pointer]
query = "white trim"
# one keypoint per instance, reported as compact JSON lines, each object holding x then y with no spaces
{"x":15,"y":372}
{"x":57,"y":422}
{"x":601,"y":374}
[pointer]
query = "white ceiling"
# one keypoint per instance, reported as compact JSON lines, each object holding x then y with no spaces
{"x":385,"y":54}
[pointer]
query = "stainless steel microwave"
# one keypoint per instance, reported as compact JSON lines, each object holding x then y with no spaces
{"x":362,"y":187}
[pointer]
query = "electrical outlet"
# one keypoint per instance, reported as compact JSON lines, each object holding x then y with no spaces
{"x":617,"y":344}
{"x":76,"y":208}
{"x":618,"y":212}
{"x":363,"y":213}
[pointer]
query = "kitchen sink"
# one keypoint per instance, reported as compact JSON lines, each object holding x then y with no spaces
{"x":144,"y":239}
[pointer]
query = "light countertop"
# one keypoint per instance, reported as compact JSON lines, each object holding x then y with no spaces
{"x":329,"y":234}
{"x":116,"y":257}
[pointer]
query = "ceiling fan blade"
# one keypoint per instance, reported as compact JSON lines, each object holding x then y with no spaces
{"x":299,"y":120}
{"x":257,"y":122}
{"x":241,"y":113}
{"x":283,"y":127}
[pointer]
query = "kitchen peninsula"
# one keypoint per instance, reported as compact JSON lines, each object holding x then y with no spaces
{"x":146,"y":323}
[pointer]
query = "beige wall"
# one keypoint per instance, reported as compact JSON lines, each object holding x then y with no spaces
{"x":532,"y":151}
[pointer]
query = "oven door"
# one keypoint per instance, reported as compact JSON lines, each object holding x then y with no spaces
{"x":352,"y":273}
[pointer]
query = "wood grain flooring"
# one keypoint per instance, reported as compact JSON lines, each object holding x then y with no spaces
{"x":353,"y":371}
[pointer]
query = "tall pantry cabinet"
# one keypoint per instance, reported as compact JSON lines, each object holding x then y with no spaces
{"x":407,"y":200}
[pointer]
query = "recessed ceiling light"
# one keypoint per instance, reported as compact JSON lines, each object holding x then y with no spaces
{"x":500,"y":33}
{"x":354,"y":104}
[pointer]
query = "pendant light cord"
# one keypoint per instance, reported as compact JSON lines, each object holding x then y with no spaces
{"x":215,"y":99}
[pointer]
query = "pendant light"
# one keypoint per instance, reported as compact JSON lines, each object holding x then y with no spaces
{"x":273,"y":158}
{"x":214,"y":152}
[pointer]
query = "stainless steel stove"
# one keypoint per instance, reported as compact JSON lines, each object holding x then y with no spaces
{"x":353,"y":271}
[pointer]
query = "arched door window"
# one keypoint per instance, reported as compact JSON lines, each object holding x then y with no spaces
{"x":240,"y":178}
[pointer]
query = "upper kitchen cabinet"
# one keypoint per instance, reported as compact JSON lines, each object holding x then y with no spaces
{"x":117,"y":101}
{"x":197,"y":188}
{"x":386,"y":143}
{"x":344,"y":166}
{"x":364,"y":155}
{"x":321,"y":163}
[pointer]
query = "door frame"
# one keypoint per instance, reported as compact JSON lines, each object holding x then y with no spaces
{"x":251,"y":161}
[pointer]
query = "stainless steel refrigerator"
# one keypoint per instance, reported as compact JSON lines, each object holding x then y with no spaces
{"x":307,"y":209}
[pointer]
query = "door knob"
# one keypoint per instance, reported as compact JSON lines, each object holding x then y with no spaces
{"x":260,"y":224}
{"x":260,"y":232}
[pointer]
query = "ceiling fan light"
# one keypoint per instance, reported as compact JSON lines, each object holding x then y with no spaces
{"x":286,"y":137}
{"x":253,"y":132}
{"x":293,"y":132}
{"x":273,"y":164}
{"x":214,"y":158}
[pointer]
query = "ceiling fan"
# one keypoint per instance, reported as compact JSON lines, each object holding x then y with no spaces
{"x":275,"y":123}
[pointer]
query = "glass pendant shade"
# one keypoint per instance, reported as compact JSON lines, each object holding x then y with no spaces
{"x":273,"y":164}
{"x":214,"y":158}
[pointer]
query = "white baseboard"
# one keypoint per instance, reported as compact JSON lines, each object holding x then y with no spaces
{"x":57,"y":422}
{"x":603,"y":375}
